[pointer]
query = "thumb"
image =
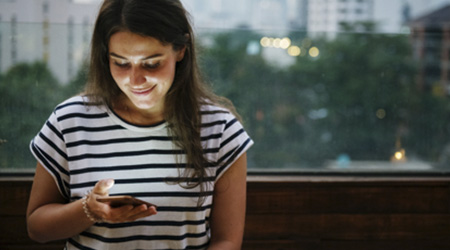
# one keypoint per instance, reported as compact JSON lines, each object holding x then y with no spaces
{"x":102,"y":187}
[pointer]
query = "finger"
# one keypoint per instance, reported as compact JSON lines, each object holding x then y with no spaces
{"x":118,"y":214}
{"x":142,"y":212}
{"x":102,"y":187}
{"x":128,"y":213}
{"x":153,"y":210}
{"x":144,"y":209}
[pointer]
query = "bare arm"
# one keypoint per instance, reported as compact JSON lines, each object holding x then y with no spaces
{"x":47,"y":210}
{"x":50,"y":217}
{"x":228,"y":213}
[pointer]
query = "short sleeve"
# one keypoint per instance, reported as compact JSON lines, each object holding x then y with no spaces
{"x":234,"y":143}
{"x":49,"y":149}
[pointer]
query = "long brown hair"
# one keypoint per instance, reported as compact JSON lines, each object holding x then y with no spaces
{"x":167,"y":21}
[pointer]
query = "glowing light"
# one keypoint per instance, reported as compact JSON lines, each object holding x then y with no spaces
{"x":285,"y":43}
{"x":279,"y":43}
{"x":276,"y":43}
{"x":381,"y":113}
{"x":294,"y":51}
{"x":398,"y":155}
{"x":314,"y":52}
{"x":265,"y":42}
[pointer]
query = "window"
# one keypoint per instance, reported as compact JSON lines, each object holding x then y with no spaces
{"x":13,"y":37}
{"x":342,"y":97}
{"x":45,"y":8}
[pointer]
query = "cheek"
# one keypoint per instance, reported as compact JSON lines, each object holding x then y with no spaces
{"x":117,"y":75}
{"x":169,"y":72}
{"x":164,"y":75}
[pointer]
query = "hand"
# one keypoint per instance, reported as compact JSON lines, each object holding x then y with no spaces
{"x":106,"y":213}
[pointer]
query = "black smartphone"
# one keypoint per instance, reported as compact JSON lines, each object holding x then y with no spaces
{"x":121,"y":200}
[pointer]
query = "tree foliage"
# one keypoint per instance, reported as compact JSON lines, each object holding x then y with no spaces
{"x":29,"y":93}
{"x":357,"y":98}
{"x":366,"y":84}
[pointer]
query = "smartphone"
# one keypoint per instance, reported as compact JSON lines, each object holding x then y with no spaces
{"x":121,"y":200}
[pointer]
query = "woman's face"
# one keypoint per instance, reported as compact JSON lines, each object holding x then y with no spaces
{"x":144,"y":69}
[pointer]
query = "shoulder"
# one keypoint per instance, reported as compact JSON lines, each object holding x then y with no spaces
{"x":223,"y":136}
{"x":217,"y":119}
{"x":78,"y":105}
{"x":212,"y":112}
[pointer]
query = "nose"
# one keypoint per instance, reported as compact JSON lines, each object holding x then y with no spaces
{"x":137,"y":76}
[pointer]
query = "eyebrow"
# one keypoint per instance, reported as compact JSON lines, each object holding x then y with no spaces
{"x":146,"y":58}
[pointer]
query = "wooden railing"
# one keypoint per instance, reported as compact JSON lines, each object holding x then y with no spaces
{"x":315,"y":212}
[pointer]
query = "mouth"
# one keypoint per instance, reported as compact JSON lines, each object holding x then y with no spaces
{"x":143,"y":91}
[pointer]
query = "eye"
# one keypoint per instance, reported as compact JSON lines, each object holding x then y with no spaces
{"x":151,"y":65}
{"x":121,"y":65}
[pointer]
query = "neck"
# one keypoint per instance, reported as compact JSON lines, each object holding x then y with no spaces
{"x":130,"y":113}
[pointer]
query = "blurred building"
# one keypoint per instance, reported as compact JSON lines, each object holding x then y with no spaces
{"x":59,"y":31}
{"x":55,"y":31}
{"x":430,"y":36}
{"x":326,"y":16}
{"x":278,"y":15}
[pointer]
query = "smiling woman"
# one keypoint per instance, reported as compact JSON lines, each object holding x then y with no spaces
{"x":347,"y":122}
{"x":146,"y":127}
{"x":144,"y":70}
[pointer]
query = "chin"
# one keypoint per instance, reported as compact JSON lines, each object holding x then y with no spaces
{"x":144,"y":106}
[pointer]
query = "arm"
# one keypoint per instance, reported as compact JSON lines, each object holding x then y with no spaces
{"x":51,"y":217}
{"x":47,"y":211}
{"x":228,"y":212}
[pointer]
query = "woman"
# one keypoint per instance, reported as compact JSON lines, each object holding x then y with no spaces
{"x":147,"y":127}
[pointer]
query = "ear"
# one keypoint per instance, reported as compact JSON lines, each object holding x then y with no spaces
{"x":182,"y":51}
{"x":180,"y":54}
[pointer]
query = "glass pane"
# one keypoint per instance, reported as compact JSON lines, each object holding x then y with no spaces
{"x":37,"y":73}
{"x":360,"y":96}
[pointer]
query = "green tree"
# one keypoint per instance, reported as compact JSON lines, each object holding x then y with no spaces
{"x":365,"y":83}
{"x":29,"y":93}
{"x":255,"y":88}
{"x":429,"y":128}
{"x":357,"y":97}
{"x":76,"y":85}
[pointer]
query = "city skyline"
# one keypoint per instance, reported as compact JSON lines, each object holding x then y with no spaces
{"x":59,"y":32}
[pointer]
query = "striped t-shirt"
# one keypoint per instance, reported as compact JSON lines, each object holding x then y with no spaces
{"x":81,"y":144}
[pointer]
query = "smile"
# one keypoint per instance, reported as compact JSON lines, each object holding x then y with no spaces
{"x":142,"y":91}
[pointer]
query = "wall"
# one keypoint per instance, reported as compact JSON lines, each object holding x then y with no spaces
{"x":305,"y":213}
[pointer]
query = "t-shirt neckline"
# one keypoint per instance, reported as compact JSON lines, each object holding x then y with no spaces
{"x":135,"y":127}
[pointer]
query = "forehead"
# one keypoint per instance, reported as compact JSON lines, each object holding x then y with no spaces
{"x":126,"y":43}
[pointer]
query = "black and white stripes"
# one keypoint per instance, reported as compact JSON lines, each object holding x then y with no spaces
{"x":81,"y":144}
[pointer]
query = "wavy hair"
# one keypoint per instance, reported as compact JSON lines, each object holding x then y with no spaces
{"x":167,"y":21}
